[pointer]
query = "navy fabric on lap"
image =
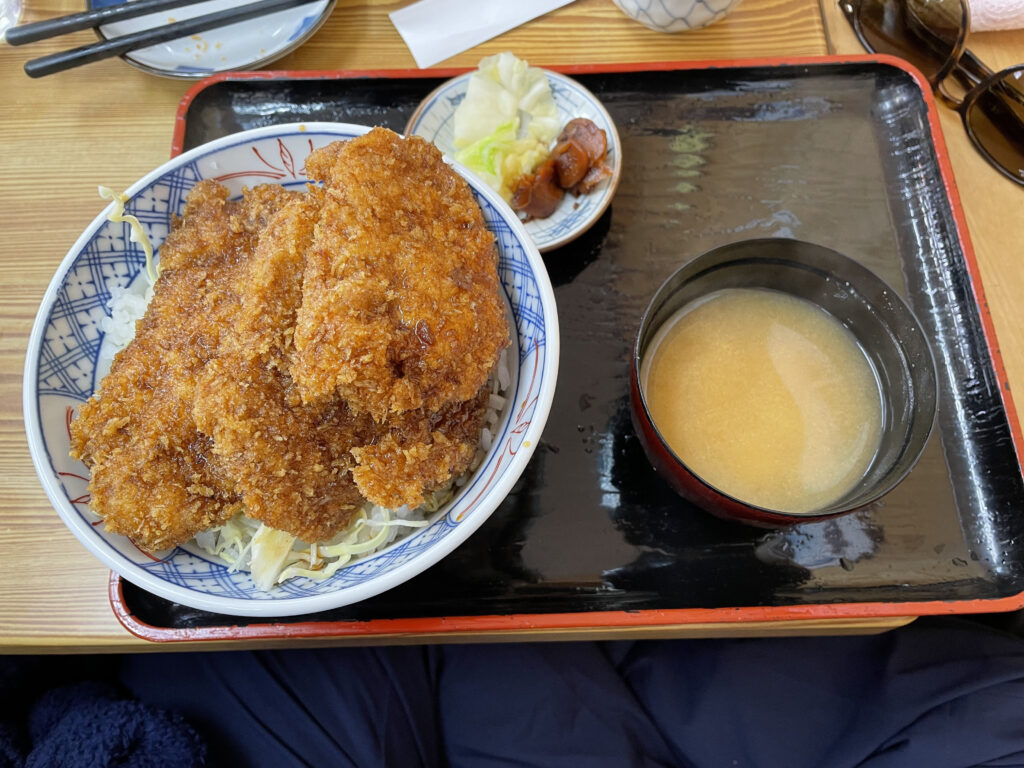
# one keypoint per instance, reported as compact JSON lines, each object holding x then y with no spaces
{"x":931,"y":694}
{"x":936,"y":693}
{"x":552,"y":704}
{"x":343,"y":707}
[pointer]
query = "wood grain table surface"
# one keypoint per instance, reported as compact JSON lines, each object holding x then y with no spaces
{"x":109,"y":123}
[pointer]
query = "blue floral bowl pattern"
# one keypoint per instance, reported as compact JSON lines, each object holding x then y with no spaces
{"x":434,"y":121}
{"x":62,"y":371}
{"x":676,"y":15}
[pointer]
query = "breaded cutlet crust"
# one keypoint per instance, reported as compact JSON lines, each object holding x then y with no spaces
{"x":290,"y":462}
{"x":402,"y":306}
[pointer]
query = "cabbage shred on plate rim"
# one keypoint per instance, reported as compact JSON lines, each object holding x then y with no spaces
{"x":505,"y":125}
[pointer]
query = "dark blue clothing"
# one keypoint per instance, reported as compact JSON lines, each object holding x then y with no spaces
{"x":87,"y":724}
{"x":934,"y":694}
{"x":90,"y":724}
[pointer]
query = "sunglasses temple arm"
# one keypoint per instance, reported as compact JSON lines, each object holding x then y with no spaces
{"x":970,"y":71}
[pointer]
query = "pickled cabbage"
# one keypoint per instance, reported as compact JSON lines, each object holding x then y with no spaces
{"x":507,"y":122}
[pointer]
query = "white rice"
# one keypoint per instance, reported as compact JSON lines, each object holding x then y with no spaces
{"x":126,"y":306}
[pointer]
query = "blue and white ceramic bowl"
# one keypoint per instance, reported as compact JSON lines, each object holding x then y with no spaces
{"x":62,"y":369}
{"x":244,"y":45}
{"x":434,"y":120}
{"x":676,"y":15}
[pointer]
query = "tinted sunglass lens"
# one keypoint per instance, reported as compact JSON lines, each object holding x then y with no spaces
{"x":927,"y":33}
{"x":995,"y":118}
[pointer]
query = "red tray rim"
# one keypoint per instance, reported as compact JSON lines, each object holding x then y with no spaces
{"x":441,"y":626}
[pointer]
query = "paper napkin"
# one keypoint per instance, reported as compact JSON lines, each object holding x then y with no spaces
{"x":437,"y":29}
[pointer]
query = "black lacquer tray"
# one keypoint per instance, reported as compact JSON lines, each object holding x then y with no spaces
{"x":842,"y":152}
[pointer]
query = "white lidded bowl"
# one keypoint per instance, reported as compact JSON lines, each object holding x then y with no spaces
{"x":61,"y":372}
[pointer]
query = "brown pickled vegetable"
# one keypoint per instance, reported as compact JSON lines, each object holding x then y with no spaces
{"x":577,"y":163}
{"x":538,"y":194}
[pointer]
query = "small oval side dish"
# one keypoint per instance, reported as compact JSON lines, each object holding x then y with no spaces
{"x":434,"y":120}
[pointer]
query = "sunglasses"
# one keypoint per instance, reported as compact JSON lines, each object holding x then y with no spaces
{"x":930,"y":34}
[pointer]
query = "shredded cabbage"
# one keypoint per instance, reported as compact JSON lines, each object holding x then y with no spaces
{"x":126,"y":304}
{"x":269,"y":552}
{"x":273,"y":556}
{"x":138,"y":234}
{"x":505,"y":125}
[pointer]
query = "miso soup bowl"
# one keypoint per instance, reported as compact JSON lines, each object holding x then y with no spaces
{"x":884,"y":326}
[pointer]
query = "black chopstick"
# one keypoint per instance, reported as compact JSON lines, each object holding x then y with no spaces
{"x":40,"y":30}
{"x":57,"y":62}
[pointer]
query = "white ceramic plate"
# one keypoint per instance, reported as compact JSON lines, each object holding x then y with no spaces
{"x":245,"y":45}
{"x":61,"y":370}
{"x":434,"y":121}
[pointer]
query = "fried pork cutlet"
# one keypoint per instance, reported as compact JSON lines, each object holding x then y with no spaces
{"x":419,"y":452}
{"x":401,"y":305}
{"x":153,"y":475}
{"x":290,"y":462}
{"x":303,"y":353}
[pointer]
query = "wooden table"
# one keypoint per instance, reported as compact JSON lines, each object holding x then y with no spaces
{"x":108,"y":123}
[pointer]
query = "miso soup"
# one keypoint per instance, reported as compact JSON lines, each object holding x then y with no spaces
{"x":766,"y":397}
